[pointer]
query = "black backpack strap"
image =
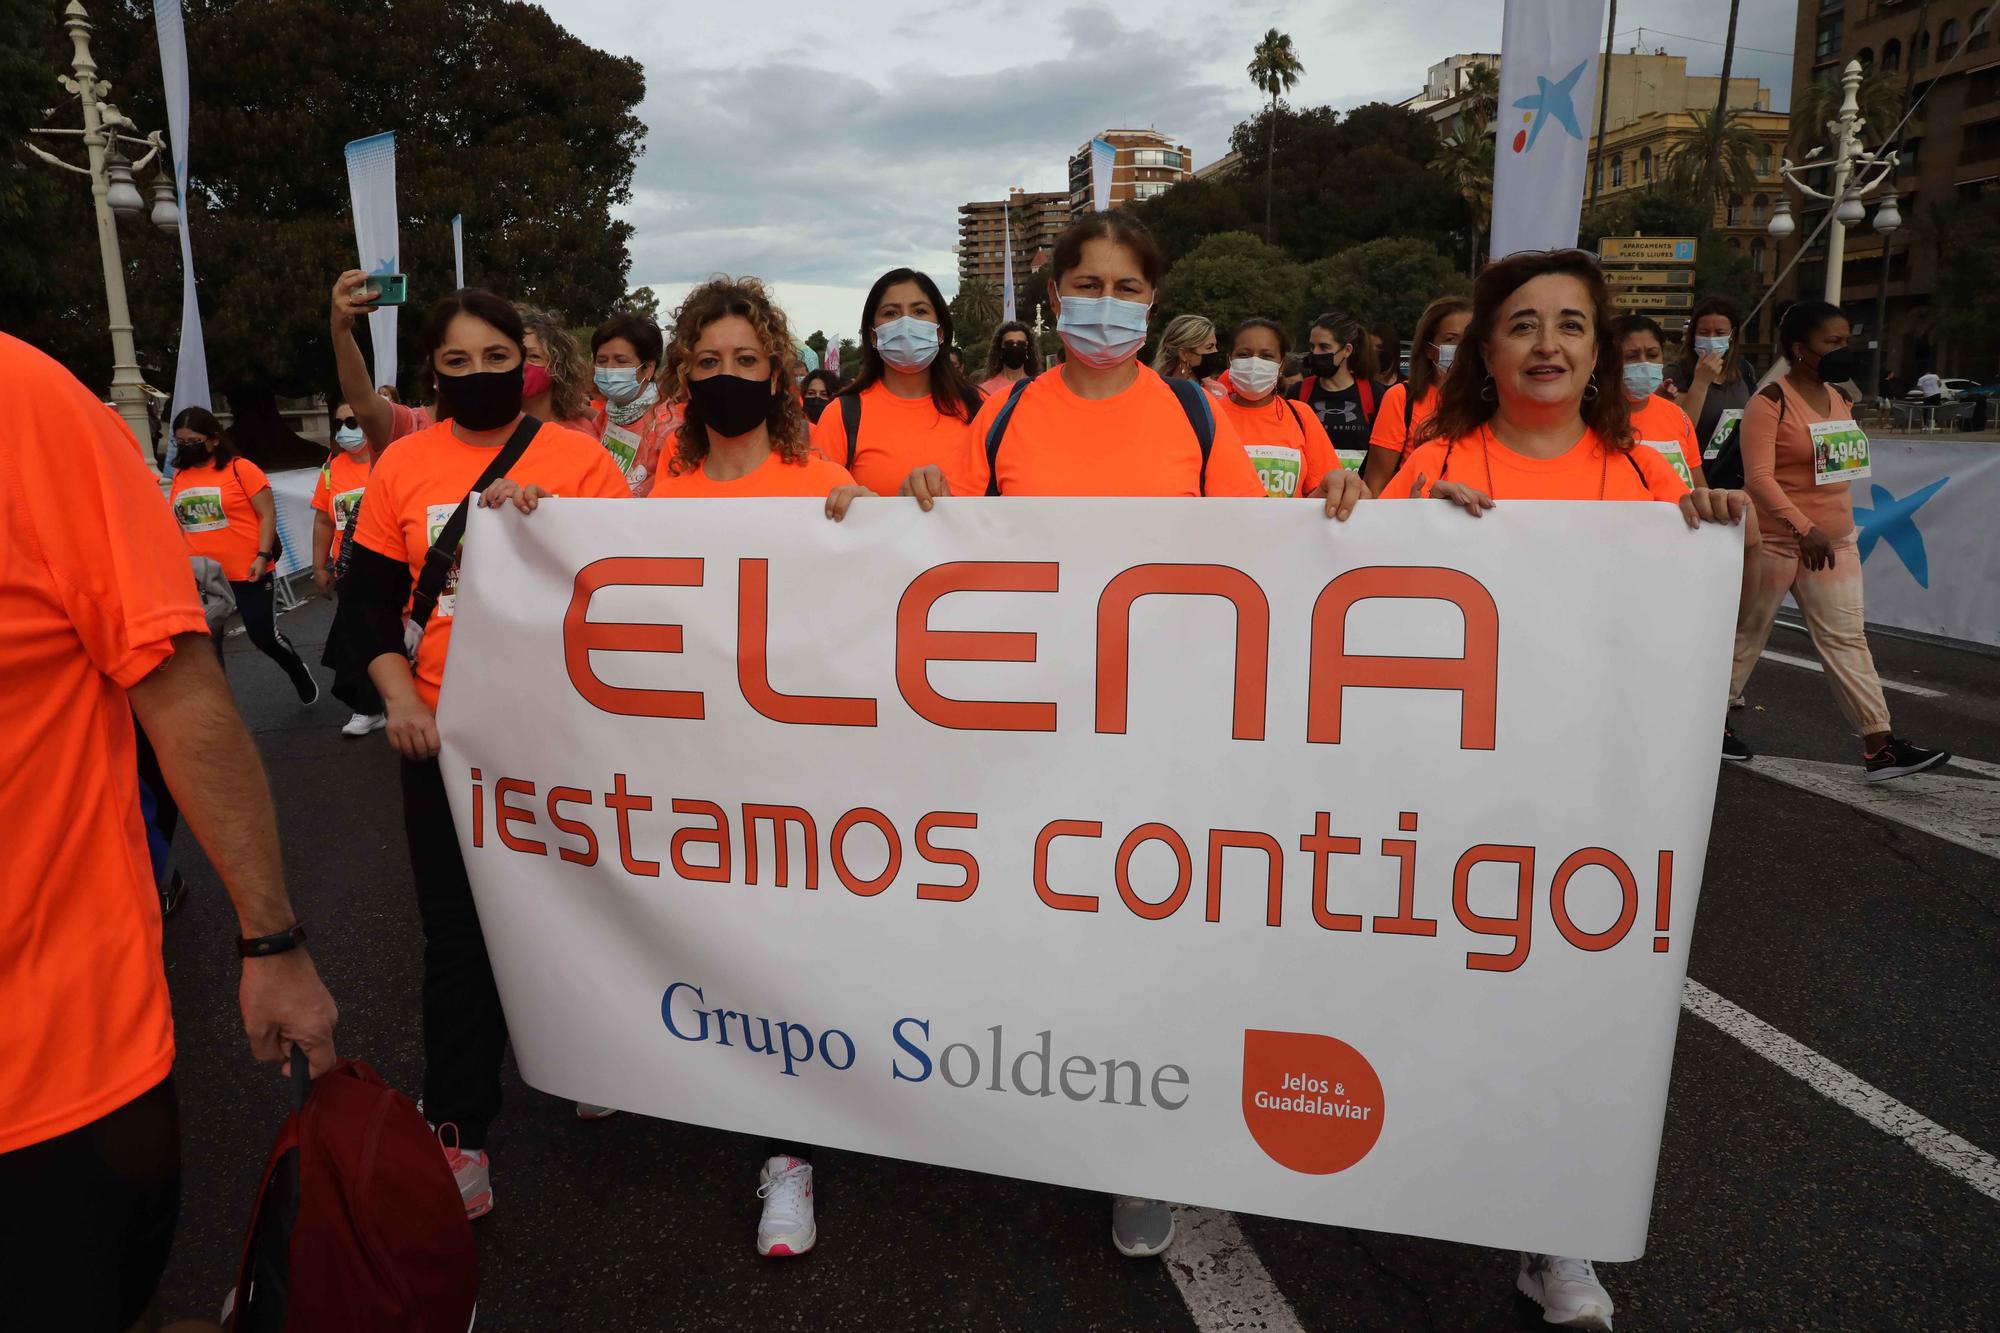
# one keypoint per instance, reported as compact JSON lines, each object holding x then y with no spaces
{"x":998,"y":429}
{"x":850,"y":419}
{"x":1637,"y":471}
{"x":1201,"y":419}
{"x":444,"y":551}
{"x":1409,"y":404}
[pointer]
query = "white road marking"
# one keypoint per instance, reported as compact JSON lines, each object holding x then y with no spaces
{"x":1970,"y":1163}
{"x":1921,"y":691}
{"x":1224,"y":1283}
{"x":1961,"y":810}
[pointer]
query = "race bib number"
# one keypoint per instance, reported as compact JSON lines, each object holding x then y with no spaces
{"x":435,"y":517}
{"x":1840,"y":452}
{"x":199,"y":509}
{"x":1352,"y":459}
{"x":1671,"y":451}
{"x":1724,"y":424}
{"x":344,"y":505}
{"x":1277,"y":467}
{"x":622,"y":442}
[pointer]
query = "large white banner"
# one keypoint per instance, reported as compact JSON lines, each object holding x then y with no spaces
{"x":191,"y":368}
{"x":1548,"y":91}
{"x":1930,"y":550}
{"x":371,"y":183}
{"x":1208,"y":851}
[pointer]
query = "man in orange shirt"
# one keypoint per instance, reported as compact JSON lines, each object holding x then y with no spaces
{"x":98,"y":625}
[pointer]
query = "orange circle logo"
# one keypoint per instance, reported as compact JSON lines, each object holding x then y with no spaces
{"x":1312,"y":1102}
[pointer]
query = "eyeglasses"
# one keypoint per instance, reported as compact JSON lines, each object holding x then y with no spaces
{"x":347,"y":423}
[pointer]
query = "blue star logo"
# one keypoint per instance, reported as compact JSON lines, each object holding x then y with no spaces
{"x":1895,"y":522}
{"x":1551,"y":99}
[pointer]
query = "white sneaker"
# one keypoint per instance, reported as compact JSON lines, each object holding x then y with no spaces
{"x":363,"y":723}
{"x":786,"y":1228}
{"x":472,"y":1170}
{"x":1567,"y":1290}
{"x":592,"y":1111}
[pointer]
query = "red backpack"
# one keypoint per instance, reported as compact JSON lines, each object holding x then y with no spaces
{"x":358,"y":1223}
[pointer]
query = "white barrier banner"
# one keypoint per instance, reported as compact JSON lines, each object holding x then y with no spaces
{"x":1211,"y":851}
{"x":1930,"y":550}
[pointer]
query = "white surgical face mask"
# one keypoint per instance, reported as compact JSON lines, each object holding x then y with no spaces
{"x":1642,"y":379}
{"x":1102,"y":331}
{"x":618,"y":384}
{"x":1719,"y":346}
{"x":907,"y":343}
{"x":349,"y":438}
{"x":1444,"y":356}
{"x":1255,"y":376}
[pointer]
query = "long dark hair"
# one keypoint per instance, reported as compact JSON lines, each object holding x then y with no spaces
{"x":480,"y":304}
{"x":993,"y":366}
{"x":1462,"y":403}
{"x":951,"y":391}
{"x":1422,"y":373}
{"x":1392,"y":348}
{"x":1347,"y":331}
{"x":202,"y":422}
{"x":1712,"y":305}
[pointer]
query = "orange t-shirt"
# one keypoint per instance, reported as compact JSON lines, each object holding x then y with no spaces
{"x":1136,"y":442}
{"x":1587,"y":472}
{"x":342,"y":480}
{"x":1389,"y":432}
{"x":772,"y":477}
{"x":1663,"y":426}
{"x":897,"y":436}
{"x":212,"y":505}
{"x":94,"y":585}
{"x":1286,"y":444}
{"x":420,"y":482}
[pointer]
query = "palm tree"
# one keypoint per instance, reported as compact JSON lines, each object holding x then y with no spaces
{"x":981,"y":301}
{"x":1719,"y":155}
{"x":1880,"y":97}
{"x":1466,"y":158}
{"x":1712,"y":172}
{"x":1274,"y":68}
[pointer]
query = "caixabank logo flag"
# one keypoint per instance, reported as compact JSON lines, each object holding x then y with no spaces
{"x":1312,"y":1102}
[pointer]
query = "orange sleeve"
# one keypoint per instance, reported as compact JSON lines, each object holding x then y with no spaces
{"x":110,"y":545}
{"x":970,"y":476}
{"x":602,"y":478}
{"x":1427,"y":461}
{"x":323,"y":492}
{"x":249,"y":476}
{"x":407,"y":421}
{"x":1320,"y":459}
{"x":829,"y":434}
{"x":1662,"y":482}
{"x":1229,"y":470}
{"x":1758,"y":436}
{"x":1388,"y":431}
{"x":380,"y":526}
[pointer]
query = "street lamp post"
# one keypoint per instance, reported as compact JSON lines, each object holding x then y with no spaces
{"x":1856,"y":175}
{"x":114,"y":195}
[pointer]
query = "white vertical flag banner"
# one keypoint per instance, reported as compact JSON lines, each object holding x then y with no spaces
{"x":191,"y":372}
{"x":1007,"y":279}
{"x":371,"y":180}
{"x":1103,"y":157}
{"x":1548,"y":80}
{"x":458,"y":248}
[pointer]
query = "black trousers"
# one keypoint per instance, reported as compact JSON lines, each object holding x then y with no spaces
{"x":87,"y":1218}
{"x":465,"y":1030}
{"x":260,"y":622}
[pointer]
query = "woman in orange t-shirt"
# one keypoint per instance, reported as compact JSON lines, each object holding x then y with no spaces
{"x":1406,"y":408}
{"x":633,"y":423}
{"x":1286,"y":443}
{"x":473,"y":347}
{"x":909,"y":406}
{"x":1534,"y":409}
{"x":1657,"y":421}
{"x":223,"y":504}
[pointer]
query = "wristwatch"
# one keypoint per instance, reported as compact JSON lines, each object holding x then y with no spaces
{"x":265,"y":945}
{"x":268,"y":555}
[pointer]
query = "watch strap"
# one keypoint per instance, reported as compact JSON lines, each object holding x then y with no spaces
{"x":263,"y":946}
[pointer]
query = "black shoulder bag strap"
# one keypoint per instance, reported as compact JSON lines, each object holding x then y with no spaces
{"x":850,"y":418}
{"x":444,"y":551}
{"x":1201,"y":420}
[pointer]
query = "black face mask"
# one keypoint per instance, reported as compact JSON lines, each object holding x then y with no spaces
{"x":1325,"y":365}
{"x":815,"y":406}
{"x":190,"y":455}
{"x":483,"y":400}
{"x":729,"y":404}
{"x":1211,"y":365}
{"x":1839,"y":366}
{"x":1014,"y":356}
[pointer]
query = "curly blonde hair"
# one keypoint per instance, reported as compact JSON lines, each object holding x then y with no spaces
{"x":569,"y":369}
{"x":719,"y":298}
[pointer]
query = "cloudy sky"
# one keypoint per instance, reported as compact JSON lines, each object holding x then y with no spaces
{"x":816,"y":145}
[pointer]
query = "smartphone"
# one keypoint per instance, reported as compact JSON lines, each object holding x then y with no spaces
{"x":390,"y":288}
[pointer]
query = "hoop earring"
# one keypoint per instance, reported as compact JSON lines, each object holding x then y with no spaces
{"x":1489,"y":392}
{"x":1590,"y":390}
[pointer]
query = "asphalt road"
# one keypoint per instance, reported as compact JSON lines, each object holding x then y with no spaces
{"x":1873,"y":943}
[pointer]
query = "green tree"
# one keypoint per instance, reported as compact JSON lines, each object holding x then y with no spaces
{"x":975,"y":312}
{"x":1967,"y":309}
{"x":1718,"y":158}
{"x":1228,"y":279}
{"x":527,"y":131}
{"x":643,"y":302}
{"x":1274,"y":67}
{"x":1880,"y":96}
{"x":1392,"y":278}
{"x":1182,"y":217}
{"x":818,"y":343}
